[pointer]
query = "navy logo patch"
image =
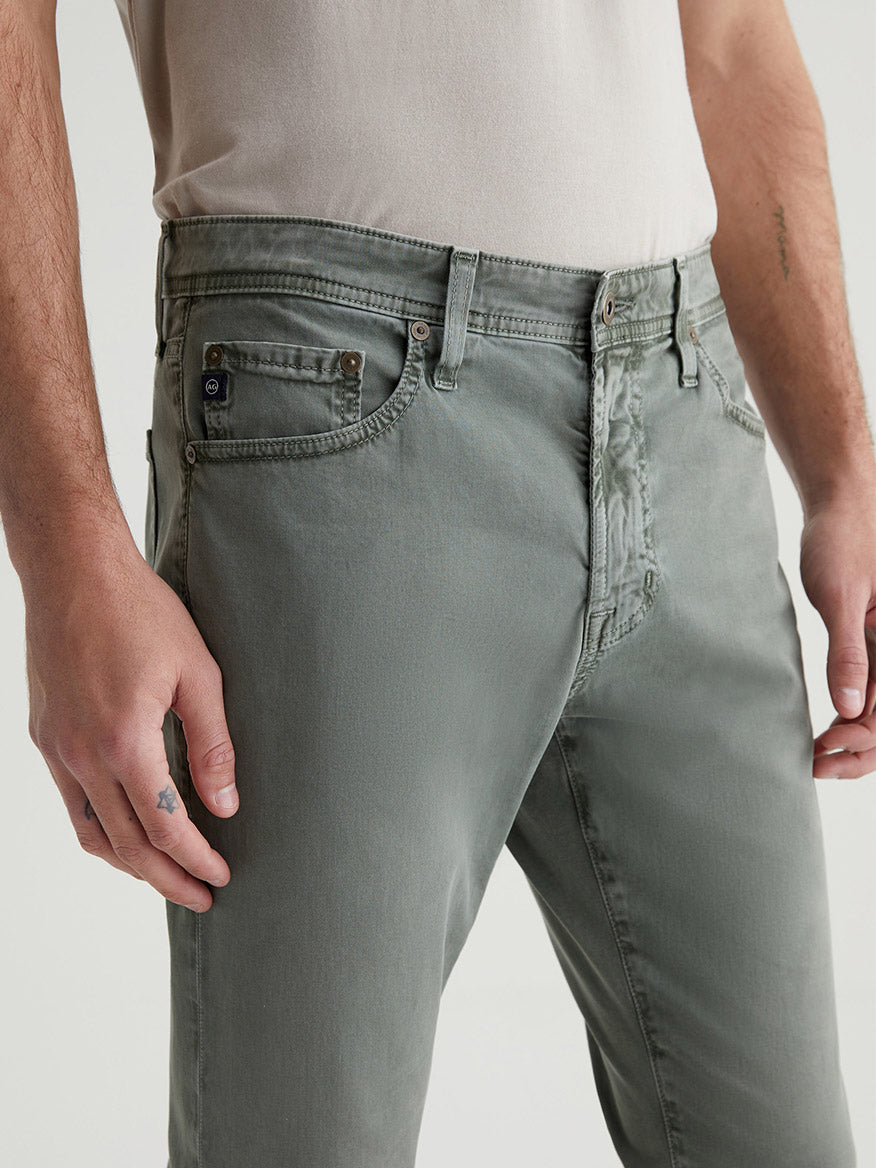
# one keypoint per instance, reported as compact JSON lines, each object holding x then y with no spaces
{"x":214,"y":386}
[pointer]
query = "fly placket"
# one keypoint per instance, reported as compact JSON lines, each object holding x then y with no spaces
{"x":599,"y":610}
{"x":624,"y":575}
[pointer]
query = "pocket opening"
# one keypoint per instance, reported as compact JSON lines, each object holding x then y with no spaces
{"x":736,"y":408}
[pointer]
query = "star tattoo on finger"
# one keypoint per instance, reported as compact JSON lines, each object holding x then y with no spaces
{"x":167,"y":800}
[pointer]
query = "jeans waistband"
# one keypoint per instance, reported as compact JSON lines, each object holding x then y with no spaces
{"x":483,"y":291}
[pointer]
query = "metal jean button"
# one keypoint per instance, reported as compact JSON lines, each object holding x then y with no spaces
{"x":608,"y":308}
{"x":350,"y":361}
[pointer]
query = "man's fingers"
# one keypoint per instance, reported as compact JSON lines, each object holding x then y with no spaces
{"x":145,"y":827}
{"x":200,"y":707}
{"x":844,"y":764}
{"x":89,"y":830}
{"x":847,"y":660}
{"x":165,"y":819}
{"x":132,"y":846}
{"x":852,"y":736}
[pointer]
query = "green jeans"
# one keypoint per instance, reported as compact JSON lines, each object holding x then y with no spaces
{"x":486,"y":552}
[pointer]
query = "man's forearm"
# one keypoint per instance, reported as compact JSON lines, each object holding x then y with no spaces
{"x":776,"y":250}
{"x":57,"y":499}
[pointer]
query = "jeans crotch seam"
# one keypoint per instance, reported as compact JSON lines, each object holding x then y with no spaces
{"x":670,"y":1128}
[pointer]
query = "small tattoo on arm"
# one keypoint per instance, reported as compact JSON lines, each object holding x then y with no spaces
{"x":167,"y":800}
{"x":780,"y":217}
{"x":89,"y":810}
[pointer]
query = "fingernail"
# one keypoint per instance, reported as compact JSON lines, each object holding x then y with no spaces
{"x":197,"y":907}
{"x":227,"y":797}
{"x":853,"y":696}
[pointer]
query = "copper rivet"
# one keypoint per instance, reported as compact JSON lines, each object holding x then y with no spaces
{"x":350,"y":361}
{"x":191,"y":455}
{"x":608,"y":308}
{"x":694,"y":335}
{"x":420,"y":329}
{"x":213,"y":355}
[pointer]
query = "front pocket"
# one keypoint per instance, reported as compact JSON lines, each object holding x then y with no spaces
{"x":719,"y":357}
{"x":291,"y":376}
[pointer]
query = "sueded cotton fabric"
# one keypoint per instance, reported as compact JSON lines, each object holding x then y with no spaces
{"x":558,"y":131}
{"x":487,"y":555}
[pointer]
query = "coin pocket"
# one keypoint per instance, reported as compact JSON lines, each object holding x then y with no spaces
{"x":275,"y":389}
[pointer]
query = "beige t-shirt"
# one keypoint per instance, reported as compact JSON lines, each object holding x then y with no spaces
{"x":552,"y":130}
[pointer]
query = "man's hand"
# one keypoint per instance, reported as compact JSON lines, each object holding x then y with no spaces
{"x":110,"y":648}
{"x":838,"y":572}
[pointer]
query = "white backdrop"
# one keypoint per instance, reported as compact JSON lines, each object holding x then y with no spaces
{"x":84,"y":977}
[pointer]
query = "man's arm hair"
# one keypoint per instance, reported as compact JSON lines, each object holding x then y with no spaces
{"x":777,"y":249}
{"x":56,"y":491}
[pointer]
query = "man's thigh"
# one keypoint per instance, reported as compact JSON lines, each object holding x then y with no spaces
{"x":397,"y":621}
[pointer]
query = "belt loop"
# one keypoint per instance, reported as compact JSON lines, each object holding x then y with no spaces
{"x":683,"y":339}
{"x":159,"y":290}
{"x":460,"y":285}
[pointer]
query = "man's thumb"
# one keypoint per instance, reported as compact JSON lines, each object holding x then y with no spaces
{"x":847,"y":661}
{"x":199,"y":705}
